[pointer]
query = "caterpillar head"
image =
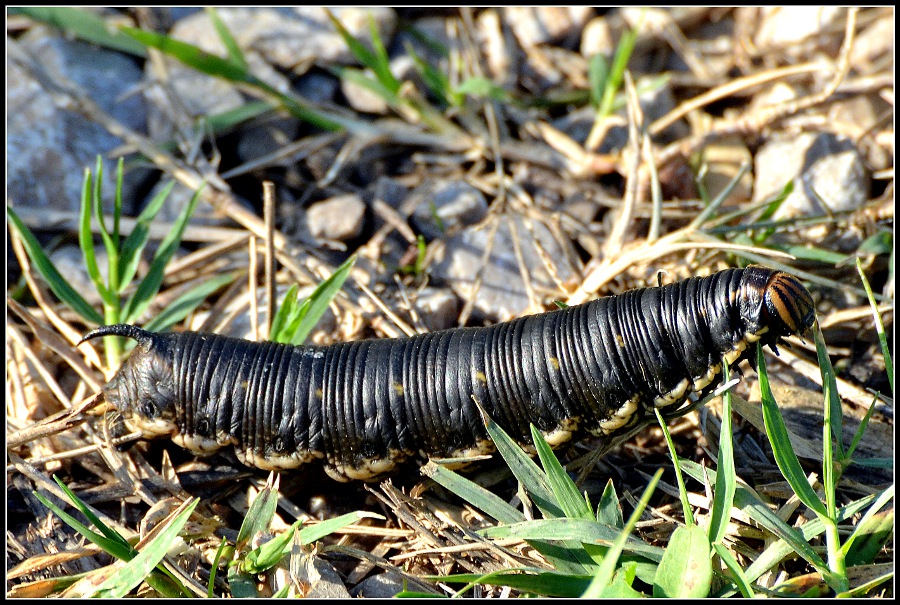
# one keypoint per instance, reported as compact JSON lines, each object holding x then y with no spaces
{"x":789,"y":307}
{"x":143,"y":390}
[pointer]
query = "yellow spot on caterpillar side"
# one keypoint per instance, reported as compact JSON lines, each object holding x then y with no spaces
{"x":480,"y":377}
{"x":319,"y":394}
{"x":398,"y":388}
{"x":554,"y":362}
{"x":619,"y":340}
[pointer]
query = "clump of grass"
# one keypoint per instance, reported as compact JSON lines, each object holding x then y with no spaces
{"x":123,"y":301}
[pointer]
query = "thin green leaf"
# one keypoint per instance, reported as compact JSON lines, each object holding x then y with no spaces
{"x":185,"y":304}
{"x":545,"y":583}
{"x":481,"y":88}
{"x":57,"y":283}
{"x":82,"y":24}
{"x":879,"y":325}
{"x":523,"y":467}
{"x":482,"y":499}
{"x":259,"y":515}
{"x":609,"y":511}
{"x":212,"y":65}
{"x":141,"y":566}
{"x":862,"y":528}
{"x":436,"y":81}
{"x":130,"y":255}
{"x":604,"y":576}
{"x":682,"y":491}
{"x":270,"y":553}
{"x":564,"y":489}
{"x":320,"y":299}
{"x":235,"y":55}
{"x":151,"y":283}
{"x":617,"y":71}
{"x":781,"y":443}
{"x":685,"y":571}
{"x":97,"y":208}
{"x":734,"y":567}
{"x":311,"y":534}
{"x":582,"y":530}
{"x":726,"y":478}
{"x":86,"y":242}
{"x":112,"y":547}
{"x":598,"y":76}
{"x":362,"y":80}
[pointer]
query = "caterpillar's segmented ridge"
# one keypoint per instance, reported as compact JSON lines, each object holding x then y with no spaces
{"x":364,"y":407}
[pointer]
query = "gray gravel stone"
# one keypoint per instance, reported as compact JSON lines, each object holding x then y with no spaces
{"x":438,"y":308}
{"x":440,"y":206}
{"x":380,"y":586}
{"x":48,"y":148}
{"x":534,"y":25}
{"x":339,"y":218}
{"x":502,"y":294}
{"x":820,"y":164}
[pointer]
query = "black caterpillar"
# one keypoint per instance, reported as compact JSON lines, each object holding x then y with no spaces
{"x":369,"y":405}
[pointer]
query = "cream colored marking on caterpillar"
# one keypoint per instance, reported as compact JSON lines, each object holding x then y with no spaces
{"x":398,"y":388}
{"x":554,"y":362}
{"x":195,"y":443}
{"x":157,"y":427}
{"x":368,"y":468}
{"x":619,"y":418}
{"x":319,"y":394}
{"x":673,"y":396}
{"x":480,"y":377}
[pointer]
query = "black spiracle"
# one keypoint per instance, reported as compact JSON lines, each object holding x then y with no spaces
{"x":365,"y":407}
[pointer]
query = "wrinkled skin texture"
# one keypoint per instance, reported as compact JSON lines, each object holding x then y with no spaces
{"x":367,"y":406}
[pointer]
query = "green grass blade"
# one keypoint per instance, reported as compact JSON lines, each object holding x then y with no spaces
{"x":582,"y":530}
{"x":609,"y":511}
{"x":738,"y":577}
{"x":259,"y":515}
{"x":136,"y":571}
{"x":781,"y":444}
{"x":130,"y":255}
{"x":533,"y":479}
{"x":110,"y":533}
{"x":84,"y":25}
{"x":286,"y":311}
{"x":564,"y":489}
{"x":862,"y":527}
{"x":791,"y":539}
{"x":185,"y":304}
{"x":112,"y":547}
{"x":536,"y":582}
{"x":482,"y":499}
{"x":308,"y":535}
{"x":319,"y":301}
{"x":151,"y":283}
{"x":235,"y":55}
{"x":879,"y":325}
{"x":726,"y":478}
{"x":97,"y":208}
{"x":86,"y":242}
{"x":270,"y":553}
{"x":598,"y":76}
{"x":57,"y":283}
{"x":604,"y":576}
{"x":613,"y":82}
{"x":212,"y":65}
{"x":682,"y":490}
